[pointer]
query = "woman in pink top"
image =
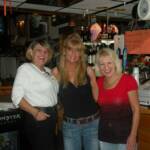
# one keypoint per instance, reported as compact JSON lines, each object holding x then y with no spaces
{"x":118,"y":99}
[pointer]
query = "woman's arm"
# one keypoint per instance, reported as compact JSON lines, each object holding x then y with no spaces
{"x":55,"y":73}
{"x":133,"y":99}
{"x":93,"y":82}
{"x":24,"y":105}
{"x":35,"y":112}
{"x":21,"y":83}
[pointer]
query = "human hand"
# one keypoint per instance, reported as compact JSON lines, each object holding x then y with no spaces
{"x":131,"y":143}
{"x":40,"y":116}
{"x":91,"y":72}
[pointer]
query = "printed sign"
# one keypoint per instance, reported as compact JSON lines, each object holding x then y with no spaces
{"x":138,"y":42}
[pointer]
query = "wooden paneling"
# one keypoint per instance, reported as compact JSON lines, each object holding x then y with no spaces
{"x":5,"y":90}
{"x":144,"y":130}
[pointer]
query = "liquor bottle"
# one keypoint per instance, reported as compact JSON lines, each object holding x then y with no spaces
{"x":90,"y":57}
{"x":88,"y":34}
{"x":124,"y":59}
{"x":82,"y":33}
{"x":135,"y":74}
{"x":94,"y":51}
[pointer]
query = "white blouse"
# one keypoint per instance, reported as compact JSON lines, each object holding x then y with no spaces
{"x":37,"y":87}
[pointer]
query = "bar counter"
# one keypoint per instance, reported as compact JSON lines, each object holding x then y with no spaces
{"x":144,"y":129}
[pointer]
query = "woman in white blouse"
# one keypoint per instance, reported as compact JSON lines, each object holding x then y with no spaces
{"x":35,"y":92}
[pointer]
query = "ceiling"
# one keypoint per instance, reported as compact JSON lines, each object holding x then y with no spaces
{"x":111,"y":8}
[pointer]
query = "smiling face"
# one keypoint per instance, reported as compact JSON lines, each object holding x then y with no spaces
{"x":107,"y":66}
{"x":72,"y":55}
{"x":40,"y":56}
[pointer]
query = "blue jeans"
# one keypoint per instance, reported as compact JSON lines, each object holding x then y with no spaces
{"x":84,"y":135}
{"x":111,"y":146}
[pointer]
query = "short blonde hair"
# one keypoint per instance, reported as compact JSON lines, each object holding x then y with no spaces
{"x":109,"y":52}
{"x":32,"y":45}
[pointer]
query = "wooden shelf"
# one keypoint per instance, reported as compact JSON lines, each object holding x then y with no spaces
{"x":5,"y":90}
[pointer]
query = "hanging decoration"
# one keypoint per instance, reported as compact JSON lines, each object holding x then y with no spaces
{"x":95,"y":31}
{"x":5,"y":7}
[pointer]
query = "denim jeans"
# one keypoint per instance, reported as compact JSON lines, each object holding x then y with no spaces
{"x":84,"y":135}
{"x":111,"y":146}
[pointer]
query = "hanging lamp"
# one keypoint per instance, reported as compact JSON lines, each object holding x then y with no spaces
{"x":5,"y":7}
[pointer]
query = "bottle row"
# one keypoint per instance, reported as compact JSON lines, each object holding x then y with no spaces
{"x":93,"y":48}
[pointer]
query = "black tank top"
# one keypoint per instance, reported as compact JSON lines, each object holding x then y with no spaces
{"x":77,"y":101}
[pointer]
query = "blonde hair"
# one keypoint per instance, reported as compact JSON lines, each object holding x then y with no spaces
{"x":43,"y":43}
{"x":109,"y":52}
{"x":73,"y":41}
